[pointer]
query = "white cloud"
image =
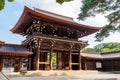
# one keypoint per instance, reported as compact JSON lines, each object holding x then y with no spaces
{"x":68,"y":8}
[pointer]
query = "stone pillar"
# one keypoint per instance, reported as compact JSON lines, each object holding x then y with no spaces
{"x":1,"y":63}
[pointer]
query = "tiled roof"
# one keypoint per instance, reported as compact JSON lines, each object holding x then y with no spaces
{"x":28,"y":14}
{"x":1,"y":43}
{"x":101,"y":55}
{"x":54,"y":15}
{"x":12,"y":49}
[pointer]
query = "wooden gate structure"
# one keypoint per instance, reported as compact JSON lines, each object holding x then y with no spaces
{"x":47,"y":33}
{"x":108,"y":61}
{"x":16,"y":52}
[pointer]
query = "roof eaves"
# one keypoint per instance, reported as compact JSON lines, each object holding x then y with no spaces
{"x":16,"y":53}
{"x":33,"y":12}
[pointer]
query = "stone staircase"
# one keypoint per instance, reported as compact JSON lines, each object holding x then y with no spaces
{"x":3,"y":76}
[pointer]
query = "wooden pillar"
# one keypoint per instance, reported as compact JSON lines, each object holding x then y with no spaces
{"x":59,"y":60}
{"x":70,"y":60}
{"x":63,"y":60}
{"x":37,"y":59}
{"x":70,"y":56}
{"x":85,"y":64}
{"x":79,"y":61}
{"x":19,"y":64}
{"x":1,"y":63}
{"x":51,"y":51}
{"x":37,"y":52}
{"x":112,"y":62}
{"x":29,"y":64}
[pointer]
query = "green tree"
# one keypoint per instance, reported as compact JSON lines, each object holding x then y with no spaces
{"x":113,"y":46}
{"x":104,"y":47}
{"x":2,"y":3}
{"x":93,"y":7}
{"x":61,"y":1}
{"x":106,"y":50}
{"x":115,"y":49}
{"x":88,"y":50}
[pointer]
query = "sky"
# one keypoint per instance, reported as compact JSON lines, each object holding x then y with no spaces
{"x":12,"y":12}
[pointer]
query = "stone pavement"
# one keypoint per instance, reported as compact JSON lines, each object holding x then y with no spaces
{"x":2,"y":77}
{"x":46,"y":78}
{"x":99,"y":76}
{"x":90,"y":77}
{"x":68,"y":75}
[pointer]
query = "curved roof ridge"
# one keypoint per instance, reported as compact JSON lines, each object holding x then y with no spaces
{"x":54,"y":14}
{"x":26,"y":15}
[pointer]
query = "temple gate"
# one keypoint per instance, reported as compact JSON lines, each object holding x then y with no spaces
{"x":47,"y":33}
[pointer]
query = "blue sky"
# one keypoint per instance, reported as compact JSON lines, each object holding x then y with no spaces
{"x":8,"y":18}
{"x":12,"y":12}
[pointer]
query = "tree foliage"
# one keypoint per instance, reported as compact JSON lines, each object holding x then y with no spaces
{"x":62,"y":1}
{"x":104,"y":47}
{"x":109,"y":7}
{"x":54,"y":56}
{"x":2,"y":3}
{"x":93,"y":7}
{"x":88,"y":50}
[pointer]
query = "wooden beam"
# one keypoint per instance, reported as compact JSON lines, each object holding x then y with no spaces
{"x":75,"y":63}
{"x":43,"y":63}
{"x":44,"y":51}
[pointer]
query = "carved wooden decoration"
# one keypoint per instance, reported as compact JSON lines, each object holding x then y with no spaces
{"x":44,"y":37}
